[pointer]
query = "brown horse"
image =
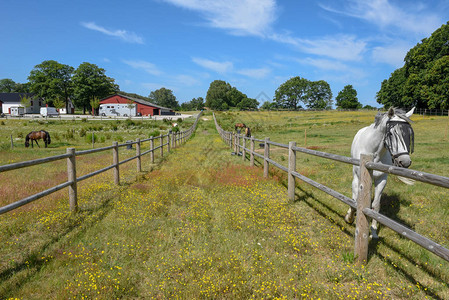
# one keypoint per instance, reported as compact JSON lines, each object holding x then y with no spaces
{"x":36,"y":135}
{"x":240,"y":125}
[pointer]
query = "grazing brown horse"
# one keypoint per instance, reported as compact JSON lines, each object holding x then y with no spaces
{"x":240,"y":125}
{"x":35,"y":135}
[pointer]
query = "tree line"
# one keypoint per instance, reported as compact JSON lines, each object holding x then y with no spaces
{"x":56,"y":83}
{"x":423,"y":81}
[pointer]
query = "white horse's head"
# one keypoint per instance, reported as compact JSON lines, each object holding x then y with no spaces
{"x":399,"y":136}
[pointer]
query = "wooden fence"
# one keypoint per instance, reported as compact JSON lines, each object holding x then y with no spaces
{"x":169,"y":140}
{"x":363,"y":205}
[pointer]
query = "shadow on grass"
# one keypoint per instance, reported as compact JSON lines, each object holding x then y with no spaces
{"x":34,"y":262}
{"x":390,"y":207}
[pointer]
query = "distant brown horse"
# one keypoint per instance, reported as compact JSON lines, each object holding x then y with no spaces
{"x":36,"y":135}
{"x":240,"y":125}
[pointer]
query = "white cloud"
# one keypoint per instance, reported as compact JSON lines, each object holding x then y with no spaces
{"x":385,"y":14}
{"x":392,"y":54}
{"x":186,"y":80}
{"x":219,"y":67}
{"x":255,"y":73}
{"x":324,"y":64}
{"x":144,"y":65}
{"x":124,"y":35}
{"x":342,"y":47}
{"x":240,"y":17}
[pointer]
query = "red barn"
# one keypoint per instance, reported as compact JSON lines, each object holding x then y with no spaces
{"x":144,"y":108}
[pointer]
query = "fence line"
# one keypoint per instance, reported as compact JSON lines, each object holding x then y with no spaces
{"x":173,"y":140}
{"x":363,"y":203}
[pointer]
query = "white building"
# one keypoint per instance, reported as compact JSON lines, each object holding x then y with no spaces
{"x":8,"y":100}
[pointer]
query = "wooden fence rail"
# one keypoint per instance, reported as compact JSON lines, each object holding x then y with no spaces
{"x":363,"y":204}
{"x":173,"y":140}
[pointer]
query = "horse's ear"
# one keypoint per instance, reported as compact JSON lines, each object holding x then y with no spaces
{"x":410,"y":112}
{"x":391,"y":112}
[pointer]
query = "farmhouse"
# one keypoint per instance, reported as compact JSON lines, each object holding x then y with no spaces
{"x":9,"y":100}
{"x":144,"y":108}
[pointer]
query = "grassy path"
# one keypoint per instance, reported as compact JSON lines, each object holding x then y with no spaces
{"x":203,"y":225}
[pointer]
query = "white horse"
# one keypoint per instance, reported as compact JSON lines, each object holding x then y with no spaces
{"x":390,"y":140}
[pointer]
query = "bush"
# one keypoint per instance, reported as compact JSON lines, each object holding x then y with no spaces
{"x":82,"y":132}
{"x":88,"y":138}
{"x":3,"y":123}
{"x":175,"y":129}
{"x":154,"y":133}
{"x":179,"y":120}
{"x":84,"y":120}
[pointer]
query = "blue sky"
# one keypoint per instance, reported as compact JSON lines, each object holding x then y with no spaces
{"x":184,"y":45}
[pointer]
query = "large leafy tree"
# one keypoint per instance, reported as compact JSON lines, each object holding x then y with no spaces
{"x":90,"y":82}
{"x":51,"y":79}
{"x":319,"y":95}
{"x":347,"y":98}
{"x":7,"y":85}
{"x":291,"y":93}
{"x":423,"y":81}
{"x":164,"y":97}
{"x":194,"y":104}
{"x":217,"y":95}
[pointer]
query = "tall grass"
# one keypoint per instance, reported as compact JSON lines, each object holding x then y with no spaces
{"x":203,"y":224}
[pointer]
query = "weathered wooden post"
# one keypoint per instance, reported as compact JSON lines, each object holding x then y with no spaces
{"x":244,"y":150}
{"x":363,"y":201}
{"x":12,"y":143}
{"x":162,"y":145}
{"x":291,"y":168}
{"x":168,"y":141}
{"x":71,"y":177}
{"x":237,"y":144}
{"x":152,"y":149}
{"x":139,"y":160}
{"x":115,"y":163}
{"x":251,"y":154}
{"x":266,"y":155}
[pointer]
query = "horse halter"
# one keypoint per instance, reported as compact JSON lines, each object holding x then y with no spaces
{"x":399,"y":138}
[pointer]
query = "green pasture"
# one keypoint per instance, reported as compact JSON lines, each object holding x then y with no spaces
{"x":201,"y":224}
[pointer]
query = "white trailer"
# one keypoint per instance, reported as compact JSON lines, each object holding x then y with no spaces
{"x":118,"y":109}
{"x":17,"y":111}
{"x":49,"y":112}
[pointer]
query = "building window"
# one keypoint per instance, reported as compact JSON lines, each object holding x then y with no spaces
{"x":31,"y":103}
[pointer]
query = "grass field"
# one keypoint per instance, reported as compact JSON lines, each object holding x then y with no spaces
{"x":202,"y":224}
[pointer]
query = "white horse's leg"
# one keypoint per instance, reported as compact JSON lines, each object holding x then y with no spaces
{"x":349,"y":218}
{"x":379,"y":185}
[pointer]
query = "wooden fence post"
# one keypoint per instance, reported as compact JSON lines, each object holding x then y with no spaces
{"x":251,"y":154}
{"x":152,"y":149}
{"x":266,"y":155}
{"x":363,"y":201}
{"x":12,"y":143}
{"x":244,"y":150}
{"x":291,"y":168}
{"x":71,"y":176}
{"x":168,"y":141}
{"x":237,"y":148}
{"x":115,"y":163}
{"x":162,"y":145}
{"x":139,"y":160}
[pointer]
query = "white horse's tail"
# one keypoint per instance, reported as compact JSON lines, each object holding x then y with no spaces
{"x":406,"y":180}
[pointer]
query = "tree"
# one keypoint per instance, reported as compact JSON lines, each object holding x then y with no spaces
{"x":51,"y":80}
{"x":58,"y":103}
{"x":289,"y":94}
{"x":423,"y":80}
{"x":164,"y":97}
{"x":94,"y":103}
{"x":319,"y":95}
{"x":347,"y":98}
{"x":217,"y":95}
{"x":7,"y":85}
{"x":25,"y":101}
{"x":90,"y":82}
{"x":248,"y":104}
